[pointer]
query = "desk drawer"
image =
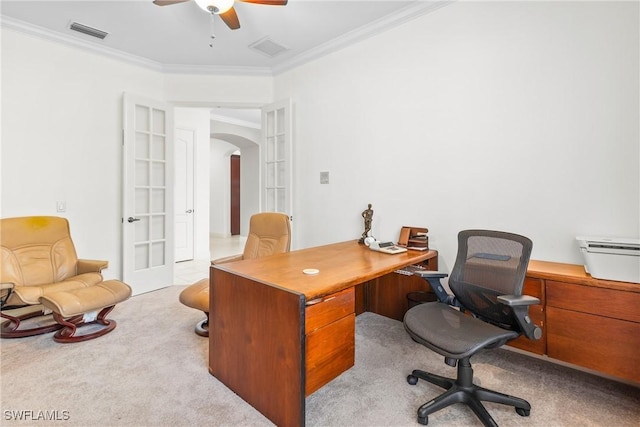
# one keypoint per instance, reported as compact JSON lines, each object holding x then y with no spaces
{"x":329,"y":309}
{"x":329,"y":352}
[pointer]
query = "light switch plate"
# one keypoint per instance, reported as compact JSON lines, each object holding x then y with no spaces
{"x":61,"y":206}
{"x":324,"y":177}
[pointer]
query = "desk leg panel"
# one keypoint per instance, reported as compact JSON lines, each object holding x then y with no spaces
{"x":256,"y":345}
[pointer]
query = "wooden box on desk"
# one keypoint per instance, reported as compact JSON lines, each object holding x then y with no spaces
{"x":414,"y":237}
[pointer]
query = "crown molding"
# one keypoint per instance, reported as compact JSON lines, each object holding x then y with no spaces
{"x":34,"y":30}
{"x":401,"y":16}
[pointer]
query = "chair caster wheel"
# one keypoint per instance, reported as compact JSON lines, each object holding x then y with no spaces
{"x":423,"y":420}
{"x":413,"y":380}
{"x":523,"y":412}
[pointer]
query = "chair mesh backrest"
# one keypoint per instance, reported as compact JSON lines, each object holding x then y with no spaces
{"x":488,"y":264}
{"x":269,"y":233}
{"x":36,"y":250}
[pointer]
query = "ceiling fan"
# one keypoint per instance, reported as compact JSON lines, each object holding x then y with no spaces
{"x":223,"y":8}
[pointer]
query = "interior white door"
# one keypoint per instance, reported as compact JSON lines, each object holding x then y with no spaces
{"x":147,"y":219}
{"x":183,"y":200}
{"x":277,"y":159}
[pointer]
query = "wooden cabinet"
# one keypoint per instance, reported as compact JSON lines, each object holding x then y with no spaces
{"x":596,"y":328}
{"x":330,"y":339}
{"x":587,"y":322}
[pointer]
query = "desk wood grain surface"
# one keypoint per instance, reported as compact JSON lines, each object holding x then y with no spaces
{"x":341,"y":265}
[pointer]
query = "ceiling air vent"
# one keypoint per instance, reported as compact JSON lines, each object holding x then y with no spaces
{"x":268,"y":47}
{"x":85,"y":29}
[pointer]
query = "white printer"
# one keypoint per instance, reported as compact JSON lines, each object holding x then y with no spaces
{"x":611,"y":258}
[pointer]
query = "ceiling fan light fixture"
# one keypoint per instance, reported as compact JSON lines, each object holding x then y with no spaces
{"x":215,"y":6}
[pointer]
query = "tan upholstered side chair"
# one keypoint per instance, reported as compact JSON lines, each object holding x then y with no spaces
{"x":269,"y":233}
{"x":41,"y":275}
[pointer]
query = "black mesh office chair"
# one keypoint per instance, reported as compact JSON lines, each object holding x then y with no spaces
{"x":490,"y":310}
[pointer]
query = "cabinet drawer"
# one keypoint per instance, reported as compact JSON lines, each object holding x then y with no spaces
{"x":330,"y":351}
{"x":594,"y":342}
{"x":329,"y":309}
{"x":612,"y":303}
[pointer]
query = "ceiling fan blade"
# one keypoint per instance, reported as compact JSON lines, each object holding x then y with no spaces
{"x":168,"y":2}
{"x":230,"y":18}
{"x":267,"y":2}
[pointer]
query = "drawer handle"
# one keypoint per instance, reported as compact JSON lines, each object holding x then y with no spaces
{"x":319,"y":300}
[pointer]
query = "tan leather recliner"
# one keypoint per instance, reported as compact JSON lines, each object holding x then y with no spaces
{"x":269,"y":233}
{"x":40,"y":264}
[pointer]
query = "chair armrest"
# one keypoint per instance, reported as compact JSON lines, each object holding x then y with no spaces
{"x":434,"y":277}
{"x":91,"y":266}
{"x":520,"y":306}
{"x":226,"y":259}
{"x":515,"y":300}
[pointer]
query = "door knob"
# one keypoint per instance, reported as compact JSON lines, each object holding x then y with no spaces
{"x":132,"y":219}
{"x":189,"y":211}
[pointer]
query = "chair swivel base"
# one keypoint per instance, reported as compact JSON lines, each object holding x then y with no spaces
{"x":10,"y":328}
{"x":462,"y":390}
{"x":202,"y":328}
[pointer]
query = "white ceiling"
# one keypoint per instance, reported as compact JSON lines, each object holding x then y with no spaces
{"x":176,"y":38}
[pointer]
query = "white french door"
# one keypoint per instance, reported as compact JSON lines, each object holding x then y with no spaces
{"x":277,"y":158}
{"x":147,"y":207}
{"x":183,"y":197}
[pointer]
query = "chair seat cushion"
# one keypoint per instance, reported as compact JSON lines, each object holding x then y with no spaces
{"x":196,"y":295}
{"x":32,"y":294}
{"x":80,"y":301}
{"x":450,"y":332}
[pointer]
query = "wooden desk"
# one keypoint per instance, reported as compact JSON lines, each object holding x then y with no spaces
{"x":277,"y":334}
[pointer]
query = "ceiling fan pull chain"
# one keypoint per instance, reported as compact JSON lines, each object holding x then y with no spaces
{"x":213,"y":33}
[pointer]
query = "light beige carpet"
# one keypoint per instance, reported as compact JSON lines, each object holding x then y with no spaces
{"x":152,"y":371}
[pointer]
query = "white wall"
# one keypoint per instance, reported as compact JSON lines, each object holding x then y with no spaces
{"x":61,"y":132}
{"x":62,"y":138}
{"x":197,"y":119}
{"x":504,"y":115}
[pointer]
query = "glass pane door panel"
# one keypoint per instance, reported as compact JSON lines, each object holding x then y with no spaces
{"x":271,"y":149}
{"x":142,"y":201}
{"x":157,"y":227}
{"x":142,"y":145}
{"x":157,"y":174}
{"x":280,"y":120}
{"x":142,"y":256}
{"x":142,"y":118}
{"x":271,"y":199}
{"x":271,"y":127}
{"x":157,"y":201}
{"x":281,"y":194}
{"x":158,"y":121}
{"x":281,"y":174}
{"x":271,"y":174}
{"x":157,"y":254}
{"x":142,"y":229}
{"x":142,"y":173}
{"x":158,"y":148}
{"x":281,"y":151}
